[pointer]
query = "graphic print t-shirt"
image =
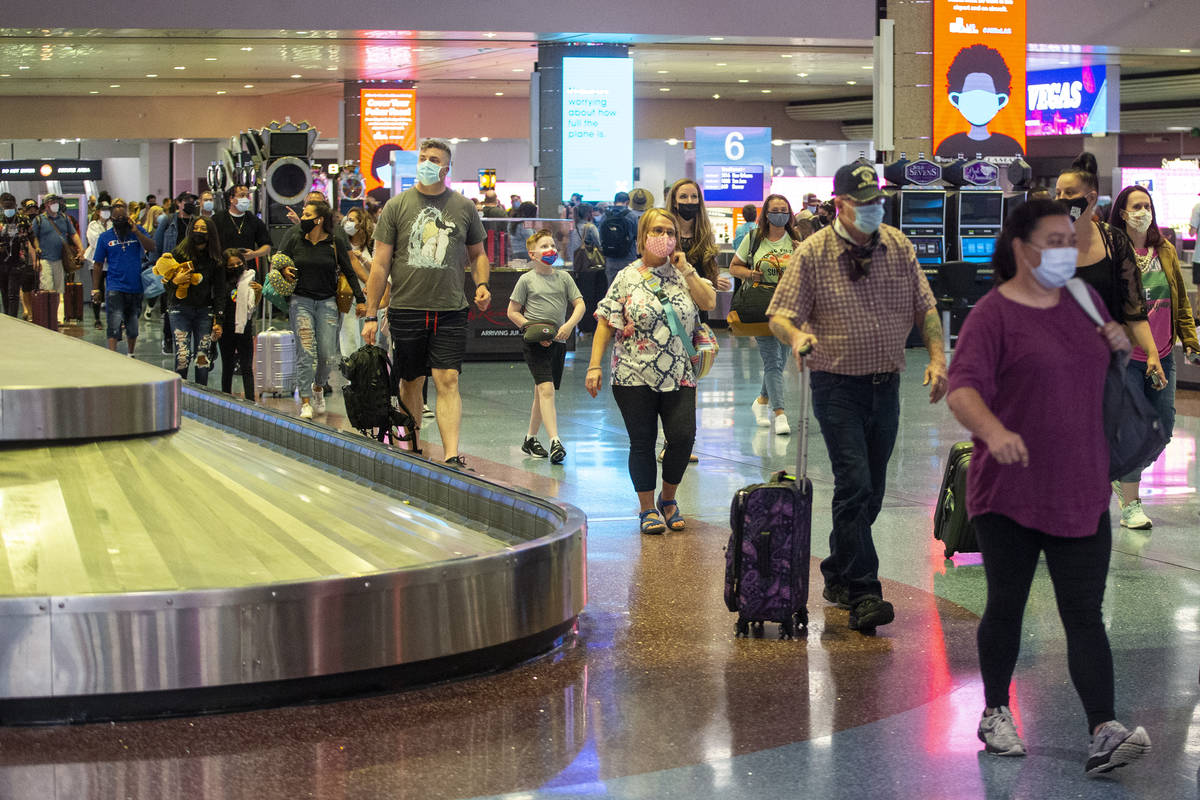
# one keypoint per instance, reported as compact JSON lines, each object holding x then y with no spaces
{"x":430,"y":236}
{"x":770,"y":258}
{"x":1158,"y":304}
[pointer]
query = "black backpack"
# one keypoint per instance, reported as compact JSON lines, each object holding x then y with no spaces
{"x":368,"y":398}
{"x":616,"y":238}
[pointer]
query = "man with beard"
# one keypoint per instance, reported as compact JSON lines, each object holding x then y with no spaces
{"x":122,"y":248}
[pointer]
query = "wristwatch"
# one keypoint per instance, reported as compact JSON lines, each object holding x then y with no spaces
{"x":371,"y":319}
{"x":484,"y":285}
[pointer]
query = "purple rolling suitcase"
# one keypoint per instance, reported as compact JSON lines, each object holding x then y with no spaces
{"x":767,"y":559}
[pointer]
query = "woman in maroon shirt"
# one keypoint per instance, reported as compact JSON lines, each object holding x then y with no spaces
{"x":1027,"y":380}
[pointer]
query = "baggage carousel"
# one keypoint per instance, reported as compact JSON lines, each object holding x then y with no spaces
{"x":166,"y":550}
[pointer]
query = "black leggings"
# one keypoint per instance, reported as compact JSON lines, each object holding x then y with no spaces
{"x":642,"y":407}
{"x":237,"y":348}
{"x":1078,"y":568}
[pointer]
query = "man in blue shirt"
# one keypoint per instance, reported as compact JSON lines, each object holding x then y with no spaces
{"x":52,"y":232}
{"x":750,"y":214}
{"x":122,"y":248}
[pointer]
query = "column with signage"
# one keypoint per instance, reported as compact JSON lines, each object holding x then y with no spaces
{"x":584,"y":122}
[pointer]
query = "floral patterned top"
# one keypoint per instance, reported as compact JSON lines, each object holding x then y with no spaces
{"x":645,"y":352}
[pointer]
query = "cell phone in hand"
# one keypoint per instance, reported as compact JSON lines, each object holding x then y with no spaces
{"x":1156,"y":381}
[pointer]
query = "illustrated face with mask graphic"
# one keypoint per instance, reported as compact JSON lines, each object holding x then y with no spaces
{"x":1074,"y":193}
{"x":433,"y":165}
{"x":979,"y":101}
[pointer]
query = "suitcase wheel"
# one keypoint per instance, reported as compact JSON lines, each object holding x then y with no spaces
{"x":786,"y":630}
{"x":800,"y":619}
{"x":756,"y":629}
{"x":741,"y":629}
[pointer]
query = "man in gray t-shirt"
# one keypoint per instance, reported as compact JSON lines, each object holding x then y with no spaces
{"x":424,"y":241}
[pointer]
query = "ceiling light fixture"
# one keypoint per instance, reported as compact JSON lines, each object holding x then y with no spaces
{"x":1185,"y":50}
{"x":672,"y":141}
{"x":93,"y":91}
{"x":297,"y":76}
{"x":722,"y":64}
{"x":778,"y":142}
{"x":330,"y":69}
{"x":499,"y":94}
{"x":220,"y":91}
{"x":5,"y":75}
{"x":852,"y":83}
{"x":765,"y":91}
{"x":801,"y":74}
{"x":151,"y":74}
{"x":867,"y":66}
{"x":785,"y":55}
{"x":716,"y":38}
{"x":519,"y":69}
{"x":664,"y":72}
{"x":490,"y":35}
{"x":248,"y":86}
{"x":211,"y":58}
{"x":743,"y":80}
{"x":22,"y":67}
{"x":485,"y":138}
{"x":664,"y":89}
{"x":716,"y":97}
{"x":114,"y":86}
{"x":181,"y":68}
{"x":247,"y":49}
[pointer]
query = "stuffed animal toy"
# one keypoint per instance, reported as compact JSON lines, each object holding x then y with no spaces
{"x":181,"y":275}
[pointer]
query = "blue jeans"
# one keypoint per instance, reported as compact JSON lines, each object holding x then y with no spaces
{"x":315,"y":324}
{"x":122,"y":307}
{"x":192,"y":330}
{"x":1163,"y":402}
{"x":859,"y":418}
{"x":773,"y":353}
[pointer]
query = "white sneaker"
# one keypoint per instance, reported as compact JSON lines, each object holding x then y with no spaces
{"x":780,"y":425}
{"x":1114,"y":746}
{"x":306,"y":411}
{"x":1133,"y":517}
{"x":999,"y":734}
{"x":426,"y":411}
{"x":318,"y":400}
{"x":760,"y":414}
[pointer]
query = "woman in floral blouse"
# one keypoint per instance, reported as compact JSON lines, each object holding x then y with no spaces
{"x":651,"y":304}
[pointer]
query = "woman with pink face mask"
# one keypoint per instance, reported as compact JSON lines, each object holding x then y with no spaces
{"x":651,"y":306}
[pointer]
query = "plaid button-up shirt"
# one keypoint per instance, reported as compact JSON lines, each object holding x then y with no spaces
{"x":861,"y":326}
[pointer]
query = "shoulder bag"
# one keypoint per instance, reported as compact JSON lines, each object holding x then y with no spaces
{"x":1131,"y":425}
{"x":71,"y":260}
{"x":748,"y":308}
{"x":702,"y":346}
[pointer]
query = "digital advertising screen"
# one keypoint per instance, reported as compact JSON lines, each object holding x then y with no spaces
{"x":1173,"y":190}
{"x":1067,"y":101}
{"x":597,"y":127}
{"x":388,"y":122}
{"x":729,"y":184}
{"x":979,"y":79}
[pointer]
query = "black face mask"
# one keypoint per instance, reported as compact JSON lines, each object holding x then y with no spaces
{"x":191,"y":208}
{"x":201,"y":239}
{"x":306,"y":225}
{"x":1075,"y":207}
{"x":122,"y":225}
{"x":688,"y":210}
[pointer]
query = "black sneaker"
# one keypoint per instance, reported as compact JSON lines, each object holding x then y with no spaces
{"x":533,"y":447}
{"x":457,"y":462}
{"x":838,"y":595}
{"x":557,"y":451}
{"x":167,"y":349}
{"x":869,"y":612}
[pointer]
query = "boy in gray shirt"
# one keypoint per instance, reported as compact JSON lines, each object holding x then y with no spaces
{"x":538,"y":305}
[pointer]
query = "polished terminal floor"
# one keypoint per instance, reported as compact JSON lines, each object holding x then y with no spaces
{"x":655,"y":698}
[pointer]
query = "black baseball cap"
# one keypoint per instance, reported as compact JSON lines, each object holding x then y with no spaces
{"x":858,"y":181}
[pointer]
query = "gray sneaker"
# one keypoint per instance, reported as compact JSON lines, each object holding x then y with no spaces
{"x":999,"y":734}
{"x":1115,"y":746}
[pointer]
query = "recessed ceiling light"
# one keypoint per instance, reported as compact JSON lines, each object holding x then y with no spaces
{"x":722,"y":64}
{"x":716,"y":97}
{"x":114,"y":86}
{"x":785,"y":55}
{"x":248,"y":86}
{"x":454,"y":140}
{"x":867,"y":66}
{"x":330,"y":69}
{"x":247,"y":49}
{"x":672,"y":141}
{"x":151,"y":74}
{"x":716,"y":38}
{"x":490,"y":35}
{"x":519,"y":69}
{"x":664,"y":72}
{"x":302,"y":33}
{"x":1178,"y":128}
{"x":297,"y":76}
{"x":1185,"y":50}
{"x":778,"y":142}
{"x":5,"y":75}
{"x":93,"y":91}
{"x":852,"y":83}
{"x":22,"y":67}
{"x":499,"y":94}
{"x":180,"y":141}
{"x":801,"y":74}
{"x":181,"y":68}
{"x":765,"y":91}
{"x":485,"y":138}
{"x":211,"y":58}
{"x":743,"y":80}
{"x":220,"y":91}
{"x":664,"y":89}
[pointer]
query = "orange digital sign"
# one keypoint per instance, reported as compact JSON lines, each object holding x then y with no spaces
{"x":388,"y":121}
{"x":979,"y":78}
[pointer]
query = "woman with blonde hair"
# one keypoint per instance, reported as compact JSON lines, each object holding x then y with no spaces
{"x":651,"y":306}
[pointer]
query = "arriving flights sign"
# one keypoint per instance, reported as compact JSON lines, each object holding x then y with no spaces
{"x":979,"y":79}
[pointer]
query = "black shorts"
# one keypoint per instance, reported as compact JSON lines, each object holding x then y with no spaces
{"x":546,"y":363}
{"x":425,"y":340}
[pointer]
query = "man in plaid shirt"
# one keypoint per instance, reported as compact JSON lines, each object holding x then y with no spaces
{"x":852,"y":294}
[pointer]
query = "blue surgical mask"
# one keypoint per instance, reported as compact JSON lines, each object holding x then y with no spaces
{"x":778,"y":218}
{"x":243,"y":204}
{"x":208,"y":205}
{"x":429,"y":173}
{"x":978,"y":106}
{"x":1057,"y":267}
{"x":867,"y":219}
{"x":10,"y":212}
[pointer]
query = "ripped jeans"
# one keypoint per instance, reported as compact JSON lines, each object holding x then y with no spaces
{"x":192,"y":329}
{"x":315,"y":324}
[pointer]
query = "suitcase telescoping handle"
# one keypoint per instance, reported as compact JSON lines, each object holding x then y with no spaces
{"x":805,"y":393}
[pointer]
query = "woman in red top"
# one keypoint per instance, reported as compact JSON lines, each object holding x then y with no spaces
{"x":1027,"y":380}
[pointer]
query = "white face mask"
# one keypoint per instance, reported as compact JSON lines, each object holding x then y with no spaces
{"x":105,"y":214}
{"x":1057,"y":267}
{"x":1139,"y":220}
{"x":350,"y":226}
